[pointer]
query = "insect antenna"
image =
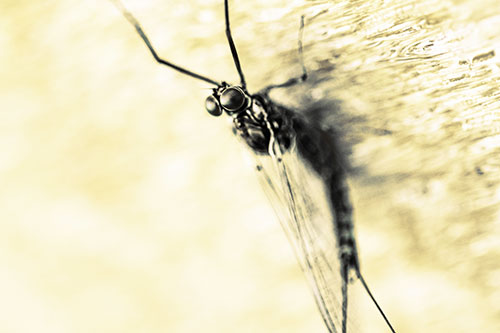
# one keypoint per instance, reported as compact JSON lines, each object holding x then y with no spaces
{"x":132,"y":20}
{"x":363,"y":282}
{"x":236,"y":59}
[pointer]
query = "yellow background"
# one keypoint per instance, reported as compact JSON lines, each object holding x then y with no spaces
{"x":124,"y":207}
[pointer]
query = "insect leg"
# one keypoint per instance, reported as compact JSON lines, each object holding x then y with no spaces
{"x":132,"y":20}
{"x":301,"y":50}
{"x":303,"y":77}
{"x":236,"y":59}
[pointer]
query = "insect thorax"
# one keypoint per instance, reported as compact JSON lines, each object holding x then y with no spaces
{"x":262,"y":122}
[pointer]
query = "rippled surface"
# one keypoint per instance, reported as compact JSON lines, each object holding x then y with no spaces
{"x":125,"y":208}
{"x":419,"y":86}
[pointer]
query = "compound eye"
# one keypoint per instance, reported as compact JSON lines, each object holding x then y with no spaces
{"x":213,"y":106}
{"x":232,"y":99}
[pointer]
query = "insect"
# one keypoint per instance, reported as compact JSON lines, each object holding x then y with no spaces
{"x":288,"y":147}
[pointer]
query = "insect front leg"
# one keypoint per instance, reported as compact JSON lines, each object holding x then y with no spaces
{"x":140,"y":31}
{"x":295,"y":80}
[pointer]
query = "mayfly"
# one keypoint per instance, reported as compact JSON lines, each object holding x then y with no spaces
{"x":293,"y":146}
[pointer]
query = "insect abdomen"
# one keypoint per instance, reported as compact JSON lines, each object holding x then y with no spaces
{"x":318,"y":148}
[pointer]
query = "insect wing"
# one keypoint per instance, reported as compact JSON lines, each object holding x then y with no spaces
{"x":298,"y":197}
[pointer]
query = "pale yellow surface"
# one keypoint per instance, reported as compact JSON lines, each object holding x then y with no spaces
{"x":124,"y":207}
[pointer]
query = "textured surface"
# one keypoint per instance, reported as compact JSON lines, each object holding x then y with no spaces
{"x":125,"y":208}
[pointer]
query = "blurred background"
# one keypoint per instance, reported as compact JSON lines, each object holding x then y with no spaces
{"x":125,"y":207}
